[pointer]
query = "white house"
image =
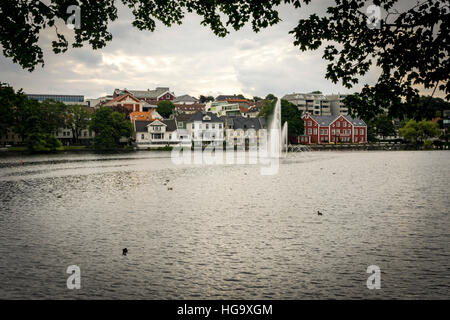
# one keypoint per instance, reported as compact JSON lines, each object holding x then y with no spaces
{"x":206,"y":127}
{"x":158,"y":133}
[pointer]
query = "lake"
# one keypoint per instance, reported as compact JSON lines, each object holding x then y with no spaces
{"x":225,"y":231}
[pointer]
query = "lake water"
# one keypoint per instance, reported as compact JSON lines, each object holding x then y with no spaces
{"x":226,"y":231}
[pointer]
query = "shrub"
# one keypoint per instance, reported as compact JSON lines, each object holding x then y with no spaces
{"x":42,"y":142}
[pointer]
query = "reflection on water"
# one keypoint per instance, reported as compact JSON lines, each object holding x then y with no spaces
{"x":226,"y":231}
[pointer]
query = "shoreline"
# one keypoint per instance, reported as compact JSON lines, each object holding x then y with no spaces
{"x":310,"y":148}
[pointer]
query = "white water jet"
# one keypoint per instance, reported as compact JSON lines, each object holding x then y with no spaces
{"x":278,"y":135}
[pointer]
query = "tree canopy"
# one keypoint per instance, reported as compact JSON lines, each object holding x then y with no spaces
{"x":418,"y":132}
{"x":410,"y":46}
{"x":77,"y":119}
{"x":165,"y":108}
{"x":109,"y":126}
{"x":289,"y":113}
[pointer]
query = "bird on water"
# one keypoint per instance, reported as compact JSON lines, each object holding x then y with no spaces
{"x":319,"y":213}
{"x":124,"y":251}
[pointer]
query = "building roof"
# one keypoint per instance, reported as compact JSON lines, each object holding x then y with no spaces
{"x":141,"y":126}
{"x":355,"y":121}
{"x":198,"y":116}
{"x":185,"y":98}
{"x":327,"y":120}
{"x":223,"y":97}
{"x":237,"y":100}
{"x":243,"y":109}
{"x":144,"y":94}
{"x":323,"y":120}
{"x":183,"y":117}
{"x":141,"y":116}
{"x":120,"y":98}
{"x":246,"y":123}
{"x":190,"y":107}
{"x":171,"y":124}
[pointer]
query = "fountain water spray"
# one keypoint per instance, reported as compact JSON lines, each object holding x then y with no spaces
{"x":278,"y":134}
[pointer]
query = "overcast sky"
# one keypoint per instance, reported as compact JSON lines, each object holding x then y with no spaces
{"x":189,"y":59}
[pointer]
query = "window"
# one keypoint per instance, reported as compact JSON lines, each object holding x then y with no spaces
{"x":213,"y":126}
{"x":142,"y":136}
{"x":345,"y":124}
{"x":321,"y":131}
{"x":220,"y":126}
{"x":362,"y":131}
{"x":338,"y":124}
{"x":326,"y":131}
{"x":170,"y":137}
{"x":193,"y":126}
{"x":207,"y":126}
{"x":309,"y":130}
{"x":333,"y":131}
{"x":309,"y":123}
{"x":315,"y":130}
{"x":344,"y":131}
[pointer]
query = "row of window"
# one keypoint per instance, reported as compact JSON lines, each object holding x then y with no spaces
{"x":338,"y":124}
{"x":69,"y":133}
{"x":335,"y":131}
{"x":213,"y":126}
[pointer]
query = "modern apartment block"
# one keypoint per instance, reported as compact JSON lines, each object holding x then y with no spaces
{"x":337,"y":104}
{"x":314,"y":103}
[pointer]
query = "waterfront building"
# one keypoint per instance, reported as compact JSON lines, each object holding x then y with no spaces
{"x":158,"y":133}
{"x":206,"y":127}
{"x":239,"y":128}
{"x":333,"y":129}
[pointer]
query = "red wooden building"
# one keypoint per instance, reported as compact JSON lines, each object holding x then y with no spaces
{"x":333,"y":129}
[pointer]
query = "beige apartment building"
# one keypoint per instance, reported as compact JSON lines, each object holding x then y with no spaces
{"x":314,"y":103}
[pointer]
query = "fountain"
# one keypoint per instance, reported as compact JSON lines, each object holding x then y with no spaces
{"x":278,"y":134}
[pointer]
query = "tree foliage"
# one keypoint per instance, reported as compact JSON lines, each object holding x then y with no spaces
{"x":165,"y":108}
{"x":204,"y":99}
{"x":289,"y":113}
{"x":417,"y":132}
{"x":383,"y":126}
{"x":77,"y":119}
{"x":9,"y":99}
{"x":410,"y":46}
{"x":109,"y":127}
{"x":42,"y":142}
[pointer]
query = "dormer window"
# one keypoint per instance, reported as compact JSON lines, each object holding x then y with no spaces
{"x":207,"y":118}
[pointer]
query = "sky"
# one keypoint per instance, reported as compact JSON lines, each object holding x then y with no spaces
{"x":188,"y":58}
